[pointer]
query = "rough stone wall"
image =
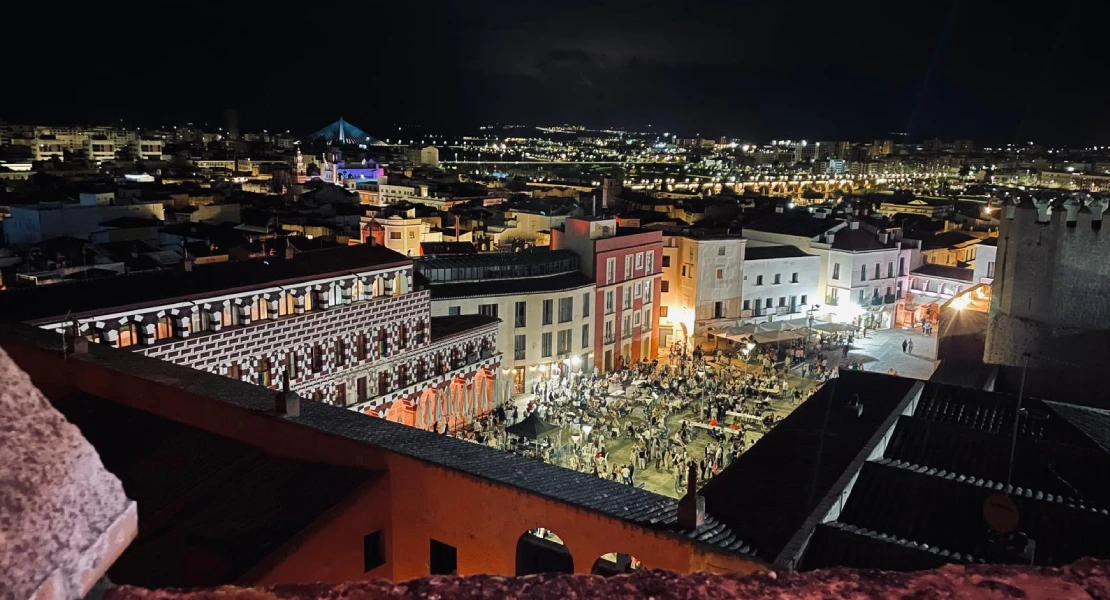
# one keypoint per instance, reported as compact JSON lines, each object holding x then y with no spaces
{"x":1085,"y":580}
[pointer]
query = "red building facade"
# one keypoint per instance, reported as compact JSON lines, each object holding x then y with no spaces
{"x":626,"y":265}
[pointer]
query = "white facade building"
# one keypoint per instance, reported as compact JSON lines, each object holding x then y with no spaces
{"x":702,"y":284}
{"x":780,"y":282}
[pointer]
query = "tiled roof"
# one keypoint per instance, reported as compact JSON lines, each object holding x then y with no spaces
{"x":944,"y":239}
{"x":858,"y":240}
{"x":198,"y":491}
{"x":506,"y":287}
{"x":945,"y":271}
{"x":795,"y":224}
{"x":770,"y":252}
{"x":767,"y":494}
{"x":160,"y":286}
{"x":609,"y":498}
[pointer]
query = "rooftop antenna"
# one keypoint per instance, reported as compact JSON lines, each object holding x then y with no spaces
{"x":1017,"y":416}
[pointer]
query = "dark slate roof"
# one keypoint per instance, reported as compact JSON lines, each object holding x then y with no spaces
{"x":202,"y":495}
{"x":140,"y":289}
{"x":505,"y":287}
{"x":531,"y":256}
{"x":444,"y":327}
{"x":770,"y":490}
{"x":609,"y":498}
{"x":945,"y":271}
{"x":791,"y":223}
{"x":925,"y":494}
{"x":769,"y":252}
{"x":991,"y":241}
{"x":858,"y":240}
{"x":944,"y":239}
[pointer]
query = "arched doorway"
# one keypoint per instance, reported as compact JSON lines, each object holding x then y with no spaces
{"x":541,"y":551}
{"x":615,"y":563}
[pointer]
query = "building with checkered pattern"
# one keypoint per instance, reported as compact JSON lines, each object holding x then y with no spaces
{"x":345,"y":326}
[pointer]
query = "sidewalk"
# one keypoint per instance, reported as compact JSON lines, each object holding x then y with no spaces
{"x":882,"y":350}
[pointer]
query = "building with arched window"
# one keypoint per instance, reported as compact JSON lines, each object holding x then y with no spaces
{"x":345,"y":325}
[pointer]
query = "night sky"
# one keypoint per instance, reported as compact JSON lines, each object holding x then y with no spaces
{"x":994,"y":72}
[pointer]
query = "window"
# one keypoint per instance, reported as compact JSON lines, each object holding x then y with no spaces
{"x":608,"y":332}
{"x":718,"y":310}
{"x":198,"y":321}
{"x":721,"y":251}
{"x":360,"y":389}
{"x":545,"y":345}
{"x":836,"y":271}
{"x":608,"y":301}
{"x":412,"y":235}
{"x":164,"y":328}
{"x":890,"y":269}
{"x":341,"y":352}
{"x":628,"y":266}
{"x":863,"y":273}
{"x":626,"y":326}
{"x":453,"y":311}
{"x":566,"y":309}
{"x":341,"y":394}
{"x":759,"y":280}
{"x":901,"y":265}
{"x":548,"y":312}
{"x":403,"y":335}
{"x":666,"y":261}
{"x":489,"y":310}
{"x":662,"y":311}
{"x":782,"y":301}
{"x":627,"y":297}
{"x":519,"y":347}
{"x":521,"y":314}
{"x":862,"y":294}
{"x":564,"y":341}
{"x":585,"y":337}
{"x":793,"y":278}
{"x":443,"y":559}
{"x":317,"y":358}
{"x":637,"y":290}
{"x":877,"y":270}
{"x":647,"y":320}
{"x":291,"y":365}
{"x":770,"y":302}
{"x":394,"y":235}
{"x":649,"y":262}
{"x":665,"y":286}
{"x":648,"y":296}
{"x":888,"y":290}
{"x":372,"y":555}
{"x":258,"y":309}
{"x":990,"y":269}
{"x":803,"y":299}
{"x":683,"y":270}
{"x":639,"y":260}
{"x":128,"y":335}
{"x":610,"y":270}
{"x":758,"y":305}
{"x":585,"y":305}
{"x":778,"y":278}
{"x":720,"y":273}
{"x":636,"y":319}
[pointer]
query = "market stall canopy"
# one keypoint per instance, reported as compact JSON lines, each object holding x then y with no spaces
{"x":768,"y":337}
{"x":736,"y":334}
{"x":833,"y":327}
{"x":776,"y":326}
{"x":532,"y":427}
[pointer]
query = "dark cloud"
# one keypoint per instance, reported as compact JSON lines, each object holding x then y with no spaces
{"x":746,"y":68}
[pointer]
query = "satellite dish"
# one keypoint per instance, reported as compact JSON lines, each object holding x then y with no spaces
{"x":1000,"y":513}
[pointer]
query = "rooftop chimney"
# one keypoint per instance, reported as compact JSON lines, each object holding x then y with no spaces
{"x":853,"y":224}
{"x":287,"y":402}
{"x":691,"y":508}
{"x":884,"y":236}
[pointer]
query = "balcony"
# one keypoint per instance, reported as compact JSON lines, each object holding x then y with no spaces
{"x":831,"y":301}
{"x":876,"y":301}
{"x":889,"y":299}
{"x":609,"y":339}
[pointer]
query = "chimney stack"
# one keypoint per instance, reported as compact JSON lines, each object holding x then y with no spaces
{"x":691,"y":508}
{"x":288,"y":402}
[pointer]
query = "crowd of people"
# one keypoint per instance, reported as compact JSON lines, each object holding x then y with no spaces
{"x":647,"y":414}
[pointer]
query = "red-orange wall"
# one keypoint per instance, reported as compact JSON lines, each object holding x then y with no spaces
{"x":411,"y":501}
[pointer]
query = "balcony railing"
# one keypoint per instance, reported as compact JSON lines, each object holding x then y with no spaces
{"x":876,"y":301}
{"x":830,"y":301}
{"x":609,"y":339}
{"x":889,"y":299}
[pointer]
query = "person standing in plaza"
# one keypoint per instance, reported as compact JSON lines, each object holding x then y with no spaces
{"x":905,"y":344}
{"x":909,"y":345}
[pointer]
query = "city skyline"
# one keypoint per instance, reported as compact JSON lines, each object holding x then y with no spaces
{"x":720,"y":69}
